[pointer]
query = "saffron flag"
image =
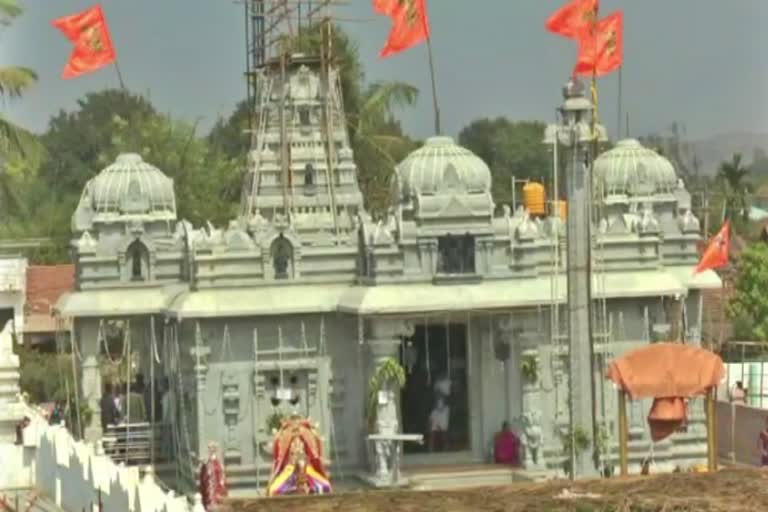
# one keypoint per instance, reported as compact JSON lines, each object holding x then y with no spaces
{"x":601,"y":51}
{"x":573,"y":18}
{"x":410,"y":25}
{"x":716,"y":253}
{"x":89,"y":33}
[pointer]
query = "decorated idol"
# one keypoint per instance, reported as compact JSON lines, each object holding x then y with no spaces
{"x":297,"y":465}
{"x":213,"y":485}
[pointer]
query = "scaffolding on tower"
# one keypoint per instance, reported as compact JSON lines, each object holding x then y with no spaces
{"x":274,"y":30}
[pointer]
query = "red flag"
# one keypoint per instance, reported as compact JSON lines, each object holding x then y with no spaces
{"x":410,"y":25}
{"x":601,"y":50}
{"x":716,"y":253}
{"x":89,"y":33}
{"x":573,"y":18}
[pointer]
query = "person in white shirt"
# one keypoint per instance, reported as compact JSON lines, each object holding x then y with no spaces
{"x":439,"y":422}
{"x":442,"y":386}
{"x":739,"y":394}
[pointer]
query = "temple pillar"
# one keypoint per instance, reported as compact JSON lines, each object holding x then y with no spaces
{"x":506,"y":351}
{"x":577,"y":133}
{"x":11,"y":410}
{"x":529,"y":368}
{"x":13,"y":474}
{"x":86,"y":334}
{"x":200,"y":353}
{"x":385,"y":337}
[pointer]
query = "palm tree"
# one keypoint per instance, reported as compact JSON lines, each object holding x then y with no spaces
{"x":731,"y":175}
{"x":14,"y":81}
{"x":378,"y":141}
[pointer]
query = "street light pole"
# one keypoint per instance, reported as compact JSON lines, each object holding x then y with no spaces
{"x":577,"y":133}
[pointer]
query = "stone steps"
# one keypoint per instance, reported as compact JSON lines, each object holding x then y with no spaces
{"x":461,"y":478}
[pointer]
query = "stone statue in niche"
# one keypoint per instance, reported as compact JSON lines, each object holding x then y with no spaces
{"x":533,"y":437}
{"x":386,"y":424}
{"x":282,"y":253}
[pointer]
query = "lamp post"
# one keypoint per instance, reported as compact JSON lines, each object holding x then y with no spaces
{"x":578,"y":134}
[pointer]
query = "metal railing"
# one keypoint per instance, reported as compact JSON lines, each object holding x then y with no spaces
{"x":137,"y":443}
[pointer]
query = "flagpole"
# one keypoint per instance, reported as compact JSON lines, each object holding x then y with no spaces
{"x":120,"y":76}
{"x":432,"y":76}
{"x":620,"y":108}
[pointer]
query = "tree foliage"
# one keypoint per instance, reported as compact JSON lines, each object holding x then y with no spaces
{"x":732,"y":178}
{"x":14,"y":141}
{"x":510,"y":148}
{"x":77,"y":140}
{"x":202,"y":176}
{"x":750,"y":301}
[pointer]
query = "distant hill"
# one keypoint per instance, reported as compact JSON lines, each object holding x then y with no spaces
{"x":713,"y":150}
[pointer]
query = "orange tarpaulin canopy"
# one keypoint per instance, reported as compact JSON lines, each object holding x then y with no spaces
{"x":669,"y":373}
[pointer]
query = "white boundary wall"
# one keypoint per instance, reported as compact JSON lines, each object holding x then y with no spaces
{"x":71,"y":473}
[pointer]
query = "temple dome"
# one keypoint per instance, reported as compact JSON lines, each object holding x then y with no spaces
{"x":441,"y":165}
{"x":631,"y":169}
{"x":130,"y":186}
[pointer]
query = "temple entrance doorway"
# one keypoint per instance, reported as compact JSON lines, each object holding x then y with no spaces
{"x":434,"y":401}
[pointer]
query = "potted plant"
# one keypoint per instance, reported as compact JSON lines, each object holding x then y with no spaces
{"x":388,"y":374}
{"x":576,"y":441}
{"x":275,"y":421}
{"x":602,"y":452}
{"x":529,"y":367}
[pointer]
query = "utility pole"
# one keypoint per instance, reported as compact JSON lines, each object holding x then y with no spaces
{"x":576,"y":133}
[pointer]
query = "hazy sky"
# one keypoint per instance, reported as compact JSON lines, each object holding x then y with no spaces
{"x":702,"y":62}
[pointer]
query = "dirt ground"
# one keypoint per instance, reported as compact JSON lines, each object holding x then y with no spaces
{"x":730,"y":490}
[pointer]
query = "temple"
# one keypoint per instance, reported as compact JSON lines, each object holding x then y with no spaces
{"x":296,"y":303}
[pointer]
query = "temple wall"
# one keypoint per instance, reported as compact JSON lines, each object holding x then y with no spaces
{"x":331,"y":375}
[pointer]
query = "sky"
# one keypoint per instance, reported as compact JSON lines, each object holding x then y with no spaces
{"x":700,"y":62}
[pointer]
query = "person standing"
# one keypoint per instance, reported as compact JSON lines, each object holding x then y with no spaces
{"x":109,"y":411}
{"x":439,"y":422}
{"x":135,"y":412}
{"x":57,"y":414}
{"x":739,"y":394}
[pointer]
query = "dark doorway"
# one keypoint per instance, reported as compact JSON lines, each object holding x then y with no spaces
{"x":5,"y":315}
{"x":434,"y":399}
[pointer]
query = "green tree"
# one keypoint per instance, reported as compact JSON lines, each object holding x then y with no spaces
{"x":202,"y":175}
{"x":14,"y":81}
{"x":731,"y":176}
{"x":510,"y":148}
{"x":230,"y":135}
{"x":378,"y":141}
{"x":750,"y":302}
{"x":76,"y":140}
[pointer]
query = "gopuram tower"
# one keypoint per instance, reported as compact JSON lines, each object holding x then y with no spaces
{"x":301,"y":173}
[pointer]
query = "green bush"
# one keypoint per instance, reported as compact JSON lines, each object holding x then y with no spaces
{"x":44,"y":377}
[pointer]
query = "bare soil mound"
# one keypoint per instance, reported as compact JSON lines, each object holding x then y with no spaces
{"x":730,"y":490}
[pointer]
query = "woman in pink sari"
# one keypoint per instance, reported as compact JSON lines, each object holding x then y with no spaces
{"x":506,"y":446}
